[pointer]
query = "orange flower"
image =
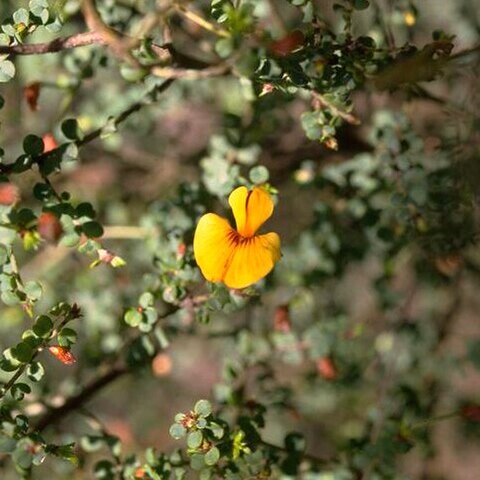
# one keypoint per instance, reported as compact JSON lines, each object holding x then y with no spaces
{"x":238,"y":257}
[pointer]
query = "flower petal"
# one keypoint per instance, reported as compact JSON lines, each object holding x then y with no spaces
{"x":251,"y":209}
{"x":252,"y":259}
{"x":213,"y":246}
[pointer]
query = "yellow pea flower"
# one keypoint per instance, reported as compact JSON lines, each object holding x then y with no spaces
{"x":238,"y":257}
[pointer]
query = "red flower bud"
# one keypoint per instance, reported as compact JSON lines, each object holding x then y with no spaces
{"x":62,"y":354}
{"x":31,"y":93}
{"x":267,"y":88}
{"x":181,"y":249}
{"x":287,"y":44}
{"x":281,"y":319}
{"x":326,"y":368}
{"x":9,"y":194}
{"x":49,"y":227}
{"x":471,"y":412}
{"x":140,"y":472}
{"x":162,"y":365}
{"x":49,"y":143}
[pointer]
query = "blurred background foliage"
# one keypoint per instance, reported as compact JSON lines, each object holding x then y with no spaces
{"x":122,"y":122}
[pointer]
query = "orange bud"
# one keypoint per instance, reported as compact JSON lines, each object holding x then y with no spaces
{"x":267,"y":88}
{"x":49,"y":143}
{"x":287,"y":44}
{"x":281,"y":319}
{"x":49,"y":227}
{"x":449,"y":265}
{"x":140,"y":472}
{"x":326,"y":368}
{"x":331,"y":143}
{"x":181,"y":249}
{"x":9,"y":194}
{"x":62,"y":354}
{"x":162,"y":365}
{"x":31,"y":93}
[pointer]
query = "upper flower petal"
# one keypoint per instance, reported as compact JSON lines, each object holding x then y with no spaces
{"x":252,"y":259}
{"x":250,"y":208}
{"x":213,"y":246}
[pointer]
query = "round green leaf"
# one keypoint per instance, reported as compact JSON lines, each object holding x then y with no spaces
{"x":259,"y":174}
{"x":203,"y":408}
{"x":7,"y":71}
{"x":43,"y":326}
{"x":92,"y":229}
{"x":133,"y":317}
{"x":194,"y":439}
{"x":212,"y":456}
{"x":177,"y":431}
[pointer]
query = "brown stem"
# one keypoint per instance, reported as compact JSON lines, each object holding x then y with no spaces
{"x":39,"y":159}
{"x":56,"y":414}
{"x":8,"y":386}
{"x":57,"y":45}
{"x":113,"y":372}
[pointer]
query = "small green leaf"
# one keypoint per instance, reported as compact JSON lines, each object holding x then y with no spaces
{"x":361,"y":4}
{"x":194,"y":439}
{"x":146,"y":300}
{"x":133,"y":317}
{"x":197,"y":462}
{"x":177,"y":431}
{"x":21,"y":16}
{"x":212,"y":456}
{"x":295,"y":442}
{"x":7,"y":444}
{"x":259,"y":174}
{"x":22,"y":352}
{"x":43,"y":326}
{"x":19,"y":390}
{"x":7,"y":71}
{"x":34,"y":290}
{"x":33,"y":145}
{"x":22,"y":456}
{"x":71,"y":129}
{"x":35,"y":371}
{"x":203,"y":408}
{"x":67,"y":337}
{"x":92,"y":229}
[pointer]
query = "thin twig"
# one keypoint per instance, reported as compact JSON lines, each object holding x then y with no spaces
{"x":56,"y":414}
{"x":40,"y":159}
{"x":189,"y":73}
{"x":110,"y":36}
{"x":323,"y":102}
{"x":200,"y":21}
